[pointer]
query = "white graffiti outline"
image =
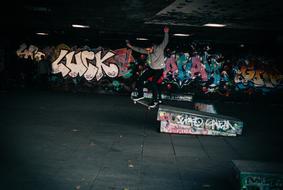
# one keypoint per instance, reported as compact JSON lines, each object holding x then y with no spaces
{"x":195,"y":122}
{"x":85,"y":63}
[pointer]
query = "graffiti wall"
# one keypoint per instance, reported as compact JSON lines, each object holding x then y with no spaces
{"x":86,"y":67}
{"x":257,"y":74}
{"x":198,"y":70}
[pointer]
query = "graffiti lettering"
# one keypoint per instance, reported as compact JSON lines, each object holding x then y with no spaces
{"x":123,"y":57}
{"x":183,"y":71}
{"x":191,"y":123}
{"x":85,"y":63}
{"x":168,"y":127}
{"x":188,"y":120}
{"x":31,"y":52}
{"x":198,"y":122}
{"x":112,"y":70}
{"x":257,"y":76}
{"x":268,"y":181}
{"x":58,"y":67}
{"x":219,"y":125}
{"x":91,"y":69}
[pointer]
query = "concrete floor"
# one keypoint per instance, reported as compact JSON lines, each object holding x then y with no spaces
{"x":65,"y":141}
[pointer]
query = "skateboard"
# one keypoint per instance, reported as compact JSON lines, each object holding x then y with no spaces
{"x":144,"y":102}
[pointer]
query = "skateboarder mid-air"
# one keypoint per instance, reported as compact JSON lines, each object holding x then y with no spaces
{"x":156,"y":63}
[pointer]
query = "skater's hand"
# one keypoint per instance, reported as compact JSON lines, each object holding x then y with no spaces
{"x":166,"y":29}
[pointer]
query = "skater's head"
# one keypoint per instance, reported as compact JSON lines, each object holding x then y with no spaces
{"x":151,"y":48}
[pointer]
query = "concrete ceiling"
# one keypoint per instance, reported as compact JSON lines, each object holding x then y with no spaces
{"x":244,"y":19}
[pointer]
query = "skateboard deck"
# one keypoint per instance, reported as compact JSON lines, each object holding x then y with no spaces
{"x":144,"y":102}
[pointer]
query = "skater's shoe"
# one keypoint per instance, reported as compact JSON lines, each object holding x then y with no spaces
{"x":153,"y":105}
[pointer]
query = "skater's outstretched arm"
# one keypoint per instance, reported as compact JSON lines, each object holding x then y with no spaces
{"x":166,"y":38}
{"x":137,"y":49}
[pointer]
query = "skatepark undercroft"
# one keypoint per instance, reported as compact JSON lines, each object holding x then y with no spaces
{"x":210,"y":72}
{"x":64,"y":140}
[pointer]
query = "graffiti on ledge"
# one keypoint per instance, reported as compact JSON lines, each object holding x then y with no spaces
{"x":189,"y":123}
{"x":262,"y":181}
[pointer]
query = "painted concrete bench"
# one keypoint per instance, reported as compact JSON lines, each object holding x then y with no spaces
{"x":189,"y":121}
{"x":255,"y":175}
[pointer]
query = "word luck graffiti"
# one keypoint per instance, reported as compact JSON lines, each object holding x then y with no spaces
{"x":85,"y":63}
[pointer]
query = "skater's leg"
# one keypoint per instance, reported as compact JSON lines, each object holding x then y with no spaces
{"x":155,"y":86}
{"x":140,"y":82}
